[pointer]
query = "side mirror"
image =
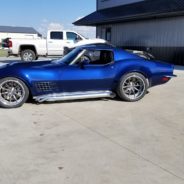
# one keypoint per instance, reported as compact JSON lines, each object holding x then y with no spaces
{"x":77,"y":39}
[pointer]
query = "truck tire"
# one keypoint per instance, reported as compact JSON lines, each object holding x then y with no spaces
{"x":28,"y":55}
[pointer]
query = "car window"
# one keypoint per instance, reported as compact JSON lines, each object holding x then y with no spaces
{"x":72,"y":36}
{"x":99,"y":57}
{"x":69,"y":58}
{"x":56,"y":35}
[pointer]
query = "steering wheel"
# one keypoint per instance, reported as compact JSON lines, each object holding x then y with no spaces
{"x":85,"y":59}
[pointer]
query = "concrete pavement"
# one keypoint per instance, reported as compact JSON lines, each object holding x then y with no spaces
{"x":96,"y":141}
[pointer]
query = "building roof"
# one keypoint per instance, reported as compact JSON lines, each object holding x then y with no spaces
{"x":136,"y":11}
{"x":12,"y":29}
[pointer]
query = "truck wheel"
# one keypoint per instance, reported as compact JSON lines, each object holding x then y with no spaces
{"x":28,"y":55}
{"x":132,"y":87}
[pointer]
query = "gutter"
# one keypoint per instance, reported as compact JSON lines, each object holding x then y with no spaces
{"x":133,"y":18}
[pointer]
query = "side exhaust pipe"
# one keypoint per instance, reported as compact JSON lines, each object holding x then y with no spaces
{"x":74,"y":96}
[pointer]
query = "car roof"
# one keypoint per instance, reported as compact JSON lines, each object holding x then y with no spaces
{"x":98,"y":47}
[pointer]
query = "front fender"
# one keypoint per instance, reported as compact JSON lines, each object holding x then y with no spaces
{"x":5,"y":73}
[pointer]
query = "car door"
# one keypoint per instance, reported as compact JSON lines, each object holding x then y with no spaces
{"x":55,"y":43}
{"x":89,"y":77}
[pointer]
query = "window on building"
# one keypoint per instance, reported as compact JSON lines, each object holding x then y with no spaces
{"x":73,"y":36}
{"x":56,"y":35}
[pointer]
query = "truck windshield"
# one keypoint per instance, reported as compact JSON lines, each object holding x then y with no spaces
{"x":69,"y":57}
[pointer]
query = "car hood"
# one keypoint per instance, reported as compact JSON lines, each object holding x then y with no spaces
{"x":37,"y":64}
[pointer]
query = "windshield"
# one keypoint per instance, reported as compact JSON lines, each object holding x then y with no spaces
{"x":67,"y":59}
{"x":84,"y":36}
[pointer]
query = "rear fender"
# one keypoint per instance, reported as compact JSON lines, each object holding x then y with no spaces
{"x":132,"y":69}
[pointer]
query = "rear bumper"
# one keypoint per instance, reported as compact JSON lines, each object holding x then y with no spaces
{"x":161,"y":79}
{"x":171,"y":76}
{"x":10,"y":53}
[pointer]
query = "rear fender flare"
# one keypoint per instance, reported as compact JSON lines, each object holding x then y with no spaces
{"x":145,"y":72}
{"x":31,"y":47}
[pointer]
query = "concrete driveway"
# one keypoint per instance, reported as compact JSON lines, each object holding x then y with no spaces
{"x":96,"y":142}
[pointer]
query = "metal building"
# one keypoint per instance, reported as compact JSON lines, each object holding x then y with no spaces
{"x":153,"y":25}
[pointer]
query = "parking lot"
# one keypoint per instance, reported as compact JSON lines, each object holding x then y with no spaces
{"x":96,"y":141}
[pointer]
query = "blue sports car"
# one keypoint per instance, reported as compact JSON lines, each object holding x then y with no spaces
{"x":86,"y":72}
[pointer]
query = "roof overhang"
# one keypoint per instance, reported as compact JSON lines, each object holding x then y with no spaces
{"x":137,"y":11}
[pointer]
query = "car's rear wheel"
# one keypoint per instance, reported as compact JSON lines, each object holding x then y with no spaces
{"x":132,"y":87}
{"x":28,"y":55}
{"x":13,"y":93}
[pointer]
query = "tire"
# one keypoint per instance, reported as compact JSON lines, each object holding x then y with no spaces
{"x":36,"y":58}
{"x":28,"y":55}
{"x":132,"y":87}
{"x":13,"y":93}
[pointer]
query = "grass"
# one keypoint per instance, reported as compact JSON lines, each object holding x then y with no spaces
{"x":3,"y":53}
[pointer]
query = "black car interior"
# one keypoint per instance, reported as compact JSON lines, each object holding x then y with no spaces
{"x":101,"y":57}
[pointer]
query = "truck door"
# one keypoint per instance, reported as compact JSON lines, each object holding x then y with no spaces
{"x":55,"y":43}
{"x":72,"y":38}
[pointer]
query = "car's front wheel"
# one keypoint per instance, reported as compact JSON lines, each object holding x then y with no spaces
{"x":13,"y":93}
{"x":132,"y":87}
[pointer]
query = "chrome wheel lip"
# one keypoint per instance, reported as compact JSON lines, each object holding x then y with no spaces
{"x":15,"y":97}
{"x":133,"y":90}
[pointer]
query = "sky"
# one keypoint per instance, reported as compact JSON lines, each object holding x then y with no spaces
{"x":47,"y":14}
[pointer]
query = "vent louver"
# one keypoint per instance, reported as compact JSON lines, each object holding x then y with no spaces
{"x":45,"y":86}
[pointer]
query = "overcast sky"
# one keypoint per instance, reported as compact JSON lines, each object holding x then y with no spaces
{"x":44,"y":14}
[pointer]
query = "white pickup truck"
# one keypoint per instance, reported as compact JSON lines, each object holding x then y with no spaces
{"x":53,"y":45}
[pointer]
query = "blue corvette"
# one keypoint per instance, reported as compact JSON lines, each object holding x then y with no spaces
{"x":86,"y":72}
